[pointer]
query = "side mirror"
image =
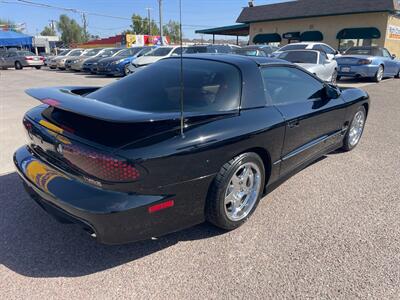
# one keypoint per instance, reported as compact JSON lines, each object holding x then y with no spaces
{"x":331,"y":91}
{"x":393,"y":56}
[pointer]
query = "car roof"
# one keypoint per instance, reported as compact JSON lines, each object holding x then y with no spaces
{"x":236,"y":59}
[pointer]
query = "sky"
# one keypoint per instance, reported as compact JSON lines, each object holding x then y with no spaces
{"x":196,"y":14}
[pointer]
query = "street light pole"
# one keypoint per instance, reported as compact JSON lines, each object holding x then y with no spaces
{"x":161,"y":21}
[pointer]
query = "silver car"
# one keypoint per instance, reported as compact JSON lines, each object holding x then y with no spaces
{"x":313,"y":61}
{"x":20,"y":59}
{"x":77,"y":63}
{"x":60,"y":62}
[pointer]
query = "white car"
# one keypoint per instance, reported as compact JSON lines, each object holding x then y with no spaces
{"x":330,"y":52}
{"x":315,"y":62}
{"x":154,"y":56}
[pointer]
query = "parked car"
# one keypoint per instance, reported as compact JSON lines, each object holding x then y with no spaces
{"x":313,"y":61}
{"x":209,"y":49}
{"x":20,"y":59}
{"x":60,"y":62}
{"x":117,"y":65}
{"x":76,"y":64}
{"x":90,"y":64}
{"x":52,"y":63}
{"x":84,"y":55}
{"x":264,"y":50}
{"x":370,"y":62}
{"x":118,"y":161}
{"x":154,"y":56}
{"x":330,"y":52}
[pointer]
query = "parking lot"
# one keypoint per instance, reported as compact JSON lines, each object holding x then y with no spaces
{"x":331,"y":231}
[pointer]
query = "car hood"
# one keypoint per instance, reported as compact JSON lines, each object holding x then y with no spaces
{"x":94,"y":59}
{"x":145,"y":60}
{"x":111,"y":59}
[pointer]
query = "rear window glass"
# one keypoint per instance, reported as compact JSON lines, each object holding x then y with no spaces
{"x":192,"y":50}
{"x":293,"y":47}
{"x":361,"y":51}
{"x":25,"y":53}
{"x":300,"y":57}
{"x":209,"y":86}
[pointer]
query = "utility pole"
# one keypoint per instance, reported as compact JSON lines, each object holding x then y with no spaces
{"x":85,"y":32}
{"x":161,"y":21}
{"x":148,"y":18}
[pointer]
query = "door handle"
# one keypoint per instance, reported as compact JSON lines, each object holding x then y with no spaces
{"x":293,"y":123}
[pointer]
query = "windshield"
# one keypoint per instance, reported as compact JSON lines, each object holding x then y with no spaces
{"x":293,"y":47}
{"x":92,"y":52}
{"x":300,"y":57}
{"x":361,"y":51}
{"x":162,"y":51}
{"x":109,"y":52}
{"x":75,"y":53}
{"x":191,"y":50}
{"x":65,"y":52}
{"x":209,"y":86}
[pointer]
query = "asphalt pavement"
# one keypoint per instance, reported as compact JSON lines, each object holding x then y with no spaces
{"x":330,"y":231}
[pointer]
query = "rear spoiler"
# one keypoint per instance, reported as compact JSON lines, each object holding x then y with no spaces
{"x":72,"y":99}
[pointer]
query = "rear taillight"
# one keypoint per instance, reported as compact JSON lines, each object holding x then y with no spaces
{"x":28,"y":58}
{"x":41,"y":58}
{"x":102,"y":166}
{"x":364,"y":61}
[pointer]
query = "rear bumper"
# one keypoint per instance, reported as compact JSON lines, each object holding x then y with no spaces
{"x":114,"y":217}
{"x":357,"y":71}
{"x":33,"y":63}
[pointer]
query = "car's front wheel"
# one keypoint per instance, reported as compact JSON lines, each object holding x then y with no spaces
{"x":356,"y":129}
{"x":236,"y":191}
{"x":38,"y":67}
{"x":334,"y":77}
{"x":379,"y":74}
{"x":398,"y":74}
{"x":126,"y":70}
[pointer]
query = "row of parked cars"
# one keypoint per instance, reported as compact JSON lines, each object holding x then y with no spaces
{"x":121,"y":62}
{"x":319,"y":59}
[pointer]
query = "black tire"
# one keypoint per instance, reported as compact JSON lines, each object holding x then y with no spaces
{"x":398,"y":74}
{"x":347,"y":146}
{"x":18,"y":65}
{"x":215,"y":206}
{"x":38,"y":67}
{"x":53,"y":68}
{"x":126,"y":70}
{"x":334,"y":77}
{"x":378,"y":76}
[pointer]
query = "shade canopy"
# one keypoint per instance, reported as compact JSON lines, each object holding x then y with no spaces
{"x":359,"y":33}
{"x":311,"y":36}
{"x":266,"y":38}
{"x":16,"y":39}
{"x":236,"y":30}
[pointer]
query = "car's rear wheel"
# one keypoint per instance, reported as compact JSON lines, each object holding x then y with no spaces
{"x":18,"y":65}
{"x":236,"y":191}
{"x":38,"y":67}
{"x":334,"y":77}
{"x":398,"y":74}
{"x":356,"y":129}
{"x":379,"y":74}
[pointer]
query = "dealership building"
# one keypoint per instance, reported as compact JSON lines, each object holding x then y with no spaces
{"x":339,"y":23}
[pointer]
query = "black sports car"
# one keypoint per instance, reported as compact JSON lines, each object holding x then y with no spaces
{"x":115,"y":161}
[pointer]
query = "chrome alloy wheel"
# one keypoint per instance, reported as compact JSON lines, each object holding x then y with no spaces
{"x":242,"y":192}
{"x":356,"y":129}
{"x":379,"y":75}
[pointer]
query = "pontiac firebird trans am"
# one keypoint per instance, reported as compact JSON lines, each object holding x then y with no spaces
{"x":126,"y":164}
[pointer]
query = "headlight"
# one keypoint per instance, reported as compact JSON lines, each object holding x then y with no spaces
{"x":117,"y":62}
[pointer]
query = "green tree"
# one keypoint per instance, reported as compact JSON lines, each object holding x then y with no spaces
{"x":141,"y":26}
{"x":71,"y":31}
{"x":172,"y":29}
{"x":48,"y":31}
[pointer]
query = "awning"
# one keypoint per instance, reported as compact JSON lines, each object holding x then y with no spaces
{"x":311,"y":36}
{"x":235,"y":30}
{"x":359,"y":33}
{"x":16,"y":39}
{"x":266,"y":38}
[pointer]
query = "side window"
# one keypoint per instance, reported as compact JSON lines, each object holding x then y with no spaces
{"x":323,"y":58}
{"x":386,"y":53}
{"x":328,"y":50}
{"x":318,"y":48}
{"x":285,"y":85}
